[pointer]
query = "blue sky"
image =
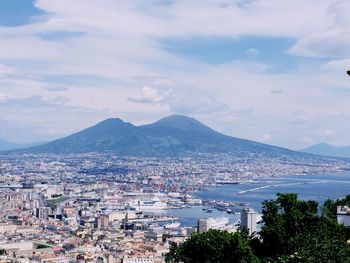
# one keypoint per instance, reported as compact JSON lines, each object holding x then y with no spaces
{"x":17,"y":12}
{"x":224,"y":50}
{"x":260,"y":69}
{"x":270,"y":51}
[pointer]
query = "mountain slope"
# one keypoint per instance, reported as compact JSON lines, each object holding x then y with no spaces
{"x":329,"y":150}
{"x":173,"y":135}
{"x":108,"y":135}
{"x":191,"y":135}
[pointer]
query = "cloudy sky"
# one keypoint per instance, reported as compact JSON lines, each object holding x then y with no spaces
{"x":266,"y":70}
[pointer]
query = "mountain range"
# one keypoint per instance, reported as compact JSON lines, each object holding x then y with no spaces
{"x":170,"y":136}
{"x":329,"y":150}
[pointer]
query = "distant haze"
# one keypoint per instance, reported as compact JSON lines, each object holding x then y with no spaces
{"x":7,"y":145}
{"x":329,"y":150}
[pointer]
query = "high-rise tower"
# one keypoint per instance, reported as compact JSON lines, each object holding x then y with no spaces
{"x":249,"y":219}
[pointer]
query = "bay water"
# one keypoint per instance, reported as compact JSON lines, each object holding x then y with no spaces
{"x":253,"y":193}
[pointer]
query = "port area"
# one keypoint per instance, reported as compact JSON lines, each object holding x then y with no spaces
{"x":228,"y":207}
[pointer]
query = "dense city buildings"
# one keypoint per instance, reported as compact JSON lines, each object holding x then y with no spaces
{"x":103,"y":208}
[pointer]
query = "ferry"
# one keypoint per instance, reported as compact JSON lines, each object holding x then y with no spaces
{"x":172,"y":225}
{"x":148,"y":205}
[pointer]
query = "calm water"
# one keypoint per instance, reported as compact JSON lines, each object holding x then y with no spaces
{"x":312,"y":187}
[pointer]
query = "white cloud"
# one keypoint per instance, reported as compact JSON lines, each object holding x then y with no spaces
{"x":331,"y":40}
{"x":117,"y":50}
{"x":4,"y":97}
{"x":34,"y":118}
{"x":328,"y":132}
{"x":252,"y":52}
{"x":220,"y":18}
{"x":149,"y":95}
{"x":266,"y":138}
{"x":5,"y":70}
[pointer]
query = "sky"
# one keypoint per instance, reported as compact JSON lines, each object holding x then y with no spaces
{"x":267,"y":70}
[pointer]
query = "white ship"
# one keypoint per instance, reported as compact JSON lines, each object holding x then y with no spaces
{"x":172,"y":225}
{"x":148,"y":205}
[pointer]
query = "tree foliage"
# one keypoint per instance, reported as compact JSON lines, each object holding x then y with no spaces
{"x":213,"y":246}
{"x":329,"y":208}
{"x":293,"y":229}
{"x":293,"y":232}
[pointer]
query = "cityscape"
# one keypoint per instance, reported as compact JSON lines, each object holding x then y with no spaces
{"x":174,"y":131}
{"x":104,"y":208}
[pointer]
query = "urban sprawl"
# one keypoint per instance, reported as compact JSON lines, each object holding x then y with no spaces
{"x":103,"y":208}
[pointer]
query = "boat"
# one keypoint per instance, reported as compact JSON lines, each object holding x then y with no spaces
{"x":148,"y":205}
{"x":172,"y":225}
{"x":226,"y":182}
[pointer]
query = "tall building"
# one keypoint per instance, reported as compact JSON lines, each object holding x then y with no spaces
{"x":203,"y":225}
{"x":43,"y":212}
{"x":102,"y":222}
{"x":249,"y":219}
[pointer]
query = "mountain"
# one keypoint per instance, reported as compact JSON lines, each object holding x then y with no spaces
{"x":173,"y":135}
{"x":329,"y":150}
{"x":183,"y":134}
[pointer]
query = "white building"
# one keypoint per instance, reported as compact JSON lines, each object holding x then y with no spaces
{"x":121,"y":215}
{"x":7,"y":228}
{"x":343,"y":215}
{"x":204,"y":224}
{"x":249,"y":219}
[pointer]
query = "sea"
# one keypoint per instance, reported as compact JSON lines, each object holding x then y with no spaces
{"x":253,"y":193}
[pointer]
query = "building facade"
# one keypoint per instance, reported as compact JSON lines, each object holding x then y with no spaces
{"x":249,"y":219}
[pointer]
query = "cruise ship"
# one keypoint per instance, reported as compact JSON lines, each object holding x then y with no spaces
{"x":172,"y":225}
{"x":148,"y":205}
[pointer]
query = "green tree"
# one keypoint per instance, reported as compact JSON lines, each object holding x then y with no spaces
{"x":213,"y":246}
{"x":329,"y":208}
{"x":293,"y":232}
{"x":174,"y":255}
